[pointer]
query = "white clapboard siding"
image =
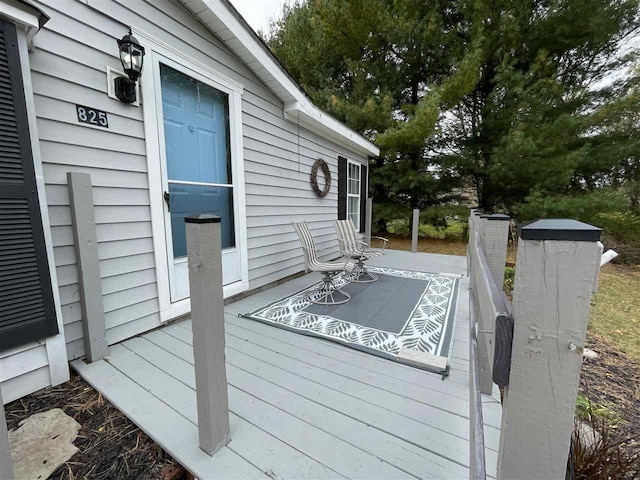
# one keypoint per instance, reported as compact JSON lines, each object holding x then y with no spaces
{"x":69,"y":67}
{"x":23,"y":370}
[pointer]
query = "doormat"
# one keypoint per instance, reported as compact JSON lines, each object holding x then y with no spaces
{"x":405,"y":316}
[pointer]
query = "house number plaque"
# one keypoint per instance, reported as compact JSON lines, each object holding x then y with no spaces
{"x":92,"y":116}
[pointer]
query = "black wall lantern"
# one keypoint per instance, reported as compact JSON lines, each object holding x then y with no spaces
{"x":131,"y":56}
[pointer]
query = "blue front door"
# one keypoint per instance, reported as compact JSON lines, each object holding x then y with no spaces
{"x":198,"y":168}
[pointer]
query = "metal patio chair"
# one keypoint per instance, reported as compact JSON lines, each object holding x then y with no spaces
{"x":353,"y":247}
{"x":328,"y":293}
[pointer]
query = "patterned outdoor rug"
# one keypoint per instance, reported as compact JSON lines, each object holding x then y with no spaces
{"x":405,"y":316}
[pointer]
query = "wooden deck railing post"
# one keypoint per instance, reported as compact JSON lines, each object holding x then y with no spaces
{"x":368,"y":219}
{"x":496,"y":237}
{"x":86,"y":246}
{"x":482,"y":226}
{"x":6,"y":465}
{"x":474,"y":212}
{"x":204,"y":254}
{"x":555,"y":269}
{"x":414,"y":230}
{"x":481,"y":303}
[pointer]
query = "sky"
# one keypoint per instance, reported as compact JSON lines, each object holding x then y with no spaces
{"x":258,"y":12}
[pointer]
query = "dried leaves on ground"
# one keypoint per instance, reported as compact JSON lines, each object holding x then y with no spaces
{"x":110,"y":445}
{"x":613,"y":381}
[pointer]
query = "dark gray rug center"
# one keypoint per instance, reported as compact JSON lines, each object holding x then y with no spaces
{"x":405,"y":316}
{"x":385,"y":305}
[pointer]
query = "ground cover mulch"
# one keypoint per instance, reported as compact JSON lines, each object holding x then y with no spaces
{"x":613,"y":380}
{"x":110,"y":445}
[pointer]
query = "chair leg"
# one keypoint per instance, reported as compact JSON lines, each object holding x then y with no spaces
{"x":328,"y":293}
{"x":360,"y":274}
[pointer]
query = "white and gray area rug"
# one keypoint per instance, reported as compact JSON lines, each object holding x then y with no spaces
{"x":405,"y":316}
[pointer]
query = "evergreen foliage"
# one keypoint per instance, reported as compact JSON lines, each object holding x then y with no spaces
{"x":517,"y":100}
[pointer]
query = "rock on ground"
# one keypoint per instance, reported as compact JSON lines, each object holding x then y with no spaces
{"x":42,"y":443}
{"x":589,"y":354}
{"x":588,"y":436}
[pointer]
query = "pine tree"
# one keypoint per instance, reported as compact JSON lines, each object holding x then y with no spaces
{"x":513,"y":96}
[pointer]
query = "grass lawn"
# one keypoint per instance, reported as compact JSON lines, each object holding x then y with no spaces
{"x":615,"y":309}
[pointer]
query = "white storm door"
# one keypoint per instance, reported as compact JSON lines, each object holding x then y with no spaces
{"x":197,"y":171}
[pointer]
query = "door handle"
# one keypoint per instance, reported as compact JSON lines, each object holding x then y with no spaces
{"x":167,"y":198}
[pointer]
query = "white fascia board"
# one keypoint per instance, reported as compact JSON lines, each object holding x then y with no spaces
{"x":21,"y":17}
{"x":298,"y":103}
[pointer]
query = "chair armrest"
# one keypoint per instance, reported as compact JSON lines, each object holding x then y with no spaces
{"x":384,"y":241}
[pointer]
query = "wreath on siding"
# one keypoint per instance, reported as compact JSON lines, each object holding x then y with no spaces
{"x":320,"y":164}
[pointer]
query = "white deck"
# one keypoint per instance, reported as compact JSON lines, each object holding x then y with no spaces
{"x":320,"y":410}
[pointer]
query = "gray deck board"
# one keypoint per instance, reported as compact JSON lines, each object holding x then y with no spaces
{"x":165,"y":425}
{"x":303,"y":407}
{"x":361,"y":363}
{"x":385,"y":447}
{"x":356,"y":400}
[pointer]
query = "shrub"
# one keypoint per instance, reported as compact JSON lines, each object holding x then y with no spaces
{"x":584,"y":207}
{"x":454,"y":230}
{"x":442,"y":215}
{"x":399,"y":226}
{"x":621,"y":233}
{"x":509,"y":279}
{"x":608,"y":210}
{"x":622,"y":226}
{"x":431,"y":231}
{"x":384,"y":212}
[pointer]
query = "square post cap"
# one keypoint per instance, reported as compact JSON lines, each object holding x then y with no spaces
{"x":499,"y":216}
{"x":559,"y":229}
{"x":202,"y":218}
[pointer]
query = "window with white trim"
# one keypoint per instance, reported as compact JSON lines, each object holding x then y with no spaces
{"x":353,"y":193}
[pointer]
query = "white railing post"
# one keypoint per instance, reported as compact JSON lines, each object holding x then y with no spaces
{"x":204,"y":254}
{"x":6,"y":465}
{"x":557,"y":260}
{"x":414,"y":230}
{"x":496,"y":238}
{"x":86,"y":246}
{"x":368,"y":219}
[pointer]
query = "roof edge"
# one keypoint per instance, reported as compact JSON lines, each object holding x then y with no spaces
{"x":299,"y":106}
{"x":24,"y":13}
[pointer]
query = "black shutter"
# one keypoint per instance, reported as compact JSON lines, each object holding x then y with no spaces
{"x":342,"y":188}
{"x":363,"y":196}
{"x":27,"y":311}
